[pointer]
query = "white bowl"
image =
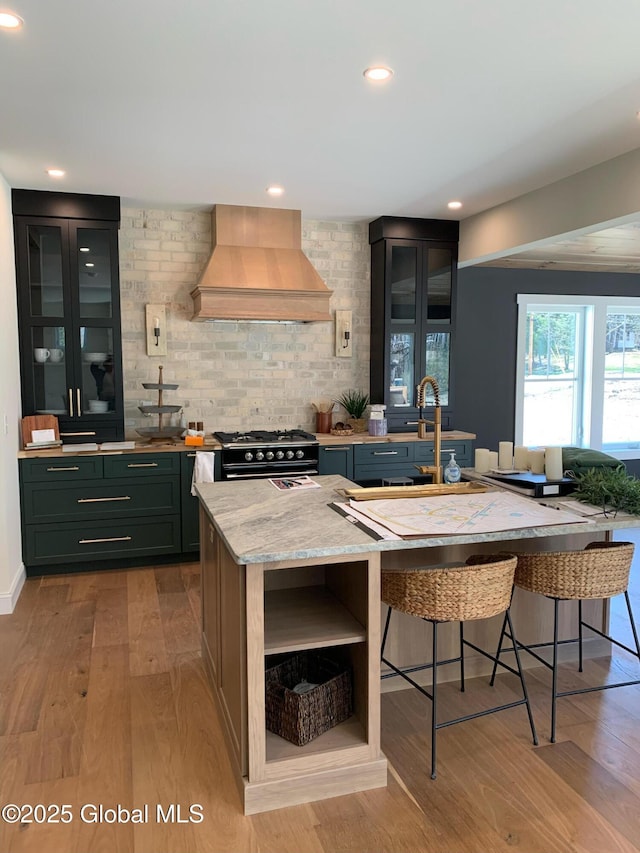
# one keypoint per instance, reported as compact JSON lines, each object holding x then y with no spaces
{"x":94,"y":357}
{"x":98,"y":406}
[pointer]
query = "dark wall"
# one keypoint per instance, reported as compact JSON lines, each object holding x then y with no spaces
{"x":485,"y":357}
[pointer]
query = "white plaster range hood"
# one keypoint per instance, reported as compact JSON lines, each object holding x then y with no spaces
{"x":257,"y":269}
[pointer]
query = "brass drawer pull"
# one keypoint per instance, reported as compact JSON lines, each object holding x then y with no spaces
{"x":101,"y":500}
{"x":385,"y":453}
{"x":142,"y":465}
{"x":93,"y":432}
{"x":72,"y":468}
{"x":335,"y":449}
{"x":189,"y":455}
{"x":70,"y":403}
{"x":112,"y":539}
{"x":78,"y":401}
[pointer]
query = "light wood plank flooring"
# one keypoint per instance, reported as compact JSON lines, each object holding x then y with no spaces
{"x":104,"y":700}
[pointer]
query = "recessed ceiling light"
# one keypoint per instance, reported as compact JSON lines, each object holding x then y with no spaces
{"x":455,"y":205}
{"x":85,"y":249}
{"x":89,"y":265}
{"x":378,"y":73}
{"x":274,"y":190}
{"x":56,"y":173}
{"x":10,"y":21}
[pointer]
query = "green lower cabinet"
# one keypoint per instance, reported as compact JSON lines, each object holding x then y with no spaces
{"x":103,"y":499}
{"x":336,"y":459}
{"x":190,"y":505}
{"x":118,"y":538}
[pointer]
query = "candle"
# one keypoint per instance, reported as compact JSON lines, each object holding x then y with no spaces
{"x":536,"y":461}
{"x":482,"y":460}
{"x":553,"y":463}
{"x":505,"y":455}
{"x":521,"y":458}
{"x":493,"y":459}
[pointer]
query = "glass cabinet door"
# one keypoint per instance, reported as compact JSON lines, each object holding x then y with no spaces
{"x":437,"y":364}
{"x":44,"y":270}
{"x":402,"y":373}
{"x":47,"y":365}
{"x":100,"y":386}
{"x":94,"y":258}
{"x":404,"y":280}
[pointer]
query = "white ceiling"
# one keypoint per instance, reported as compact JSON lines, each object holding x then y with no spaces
{"x":205,"y":101}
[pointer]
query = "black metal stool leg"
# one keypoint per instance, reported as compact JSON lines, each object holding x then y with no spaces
{"x":462,"y":657}
{"x":580,"y":635}
{"x":525,"y":693}
{"x":632,"y":621}
{"x":499,"y":650}
{"x":434,"y":704}
{"x":554,"y":679}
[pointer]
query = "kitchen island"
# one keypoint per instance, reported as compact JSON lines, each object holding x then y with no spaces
{"x":283,"y":572}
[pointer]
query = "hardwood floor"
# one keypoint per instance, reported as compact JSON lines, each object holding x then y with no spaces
{"x":104,"y":701}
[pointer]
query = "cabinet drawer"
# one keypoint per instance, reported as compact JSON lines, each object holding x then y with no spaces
{"x":142,"y":465}
{"x":61,"y":469}
{"x":336,"y":459}
{"x":104,"y":499}
{"x":425,"y":452}
{"x":79,"y":430}
{"x":385,"y":453}
{"x":364,"y":473}
{"x":71,"y":542}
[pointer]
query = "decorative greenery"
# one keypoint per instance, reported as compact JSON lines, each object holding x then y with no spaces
{"x":354,"y":402}
{"x":610,"y":488}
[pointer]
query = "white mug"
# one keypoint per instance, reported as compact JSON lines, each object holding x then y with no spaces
{"x":41,"y":354}
{"x":56,"y":355}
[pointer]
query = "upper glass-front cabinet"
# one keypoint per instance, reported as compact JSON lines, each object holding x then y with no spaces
{"x":69,"y":314}
{"x":413,"y":273}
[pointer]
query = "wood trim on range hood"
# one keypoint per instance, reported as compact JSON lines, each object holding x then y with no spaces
{"x":257,"y":269}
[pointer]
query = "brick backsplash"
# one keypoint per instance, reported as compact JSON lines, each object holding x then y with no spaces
{"x":237,"y":375}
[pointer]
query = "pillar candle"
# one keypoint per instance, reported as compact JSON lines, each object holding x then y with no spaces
{"x":521,"y":458}
{"x":553,"y":463}
{"x":493,"y":459}
{"x":505,"y":455}
{"x":482,"y":460}
{"x":536,"y":461}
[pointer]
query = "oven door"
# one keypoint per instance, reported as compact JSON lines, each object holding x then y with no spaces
{"x":253,"y":470}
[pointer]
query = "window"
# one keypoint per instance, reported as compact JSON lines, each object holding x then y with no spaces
{"x":578,"y":373}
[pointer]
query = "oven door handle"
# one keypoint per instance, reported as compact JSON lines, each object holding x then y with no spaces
{"x":264,"y":474}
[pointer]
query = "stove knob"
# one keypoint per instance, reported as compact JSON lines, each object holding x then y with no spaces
{"x":290,"y":454}
{"x":269,"y":455}
{"x":259,"y":455}
{"x":248,"y":456}
{"x":299,"y":454}
{"x":279,"y":454}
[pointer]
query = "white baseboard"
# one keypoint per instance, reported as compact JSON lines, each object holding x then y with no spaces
{"x":8,"y":600}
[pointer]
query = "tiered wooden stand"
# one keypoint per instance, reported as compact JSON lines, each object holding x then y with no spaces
{"x":160,"y":433}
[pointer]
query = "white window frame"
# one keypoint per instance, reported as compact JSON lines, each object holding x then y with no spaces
{"x":592,"y":341}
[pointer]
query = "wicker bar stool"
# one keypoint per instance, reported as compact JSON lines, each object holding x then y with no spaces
{"x":601,"y":570}
{"x":478,"y":590}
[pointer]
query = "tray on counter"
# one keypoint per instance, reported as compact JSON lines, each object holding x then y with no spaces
{"x":379,"y":493}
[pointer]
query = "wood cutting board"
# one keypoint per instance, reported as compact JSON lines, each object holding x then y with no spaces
{"x":379,"y":493}
{"x":32,"y":422}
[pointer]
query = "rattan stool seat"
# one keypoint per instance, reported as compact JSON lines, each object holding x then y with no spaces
{"x":480,"y":589}
{"x":477,"y":590}
{"x":600,"y":571}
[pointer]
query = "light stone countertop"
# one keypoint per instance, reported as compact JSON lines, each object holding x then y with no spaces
{"x":261,"y":524}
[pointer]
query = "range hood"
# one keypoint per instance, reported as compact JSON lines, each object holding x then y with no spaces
{"x":257,"y":269}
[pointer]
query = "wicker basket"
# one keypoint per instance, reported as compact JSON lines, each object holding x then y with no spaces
{"x":475,"y":591}
{"x":335,"y":431}
{"x":600,"y":571}
{"x":301,"y":717}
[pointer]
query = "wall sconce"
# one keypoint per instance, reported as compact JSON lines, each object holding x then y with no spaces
{"x":344,"y":342}
{"x":156,"y":324}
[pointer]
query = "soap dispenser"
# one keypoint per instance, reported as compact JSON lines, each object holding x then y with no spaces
{"x":452,"y":471}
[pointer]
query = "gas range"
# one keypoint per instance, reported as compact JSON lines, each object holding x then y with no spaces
{"x":264,"y":453}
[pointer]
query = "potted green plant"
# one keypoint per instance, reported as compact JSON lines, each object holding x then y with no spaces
{"x":355,"y":404}
{"x":611,"y":488}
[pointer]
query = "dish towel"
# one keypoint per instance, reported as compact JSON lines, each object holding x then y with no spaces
{"x":202,"y":470}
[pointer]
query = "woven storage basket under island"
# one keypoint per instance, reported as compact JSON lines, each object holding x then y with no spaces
{"x":301,"y":717}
